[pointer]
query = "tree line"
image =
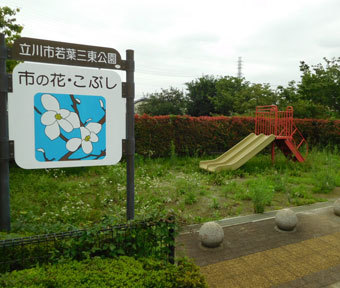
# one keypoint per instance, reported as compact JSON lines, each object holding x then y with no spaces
{"x":316,"y":95}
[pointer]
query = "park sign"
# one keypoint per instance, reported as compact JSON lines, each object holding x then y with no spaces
{"x":63,"y":114}
{"x":39,"y":50}
{"x":70,"y":109}
{"x":66,"y":116}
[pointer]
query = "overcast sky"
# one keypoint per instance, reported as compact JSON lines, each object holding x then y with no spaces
{"x":178,"y":41}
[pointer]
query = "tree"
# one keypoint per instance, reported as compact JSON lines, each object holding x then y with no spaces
{"x":303,"y":108}
{"x":228,"y":89}
{"x":166,"y":102}
{"x":200,"y":93}
{"x":238,"y":96}
{"x":320,"y":84}
{"x":253,"y":95}
{"x":10,"y":29}
{"x":288,"y":95}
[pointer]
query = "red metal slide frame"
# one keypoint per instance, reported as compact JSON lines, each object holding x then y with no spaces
{"x":269,"y":120}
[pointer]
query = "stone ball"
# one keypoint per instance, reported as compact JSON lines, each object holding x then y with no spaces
{"x":211,"y":234}
{"x":336,"y":207}
{"x":286,"y":219}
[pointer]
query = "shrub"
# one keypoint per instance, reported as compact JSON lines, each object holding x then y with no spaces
{"x":137,"y":239}
{"x":121,"y":272}
{"x":163,"y":136}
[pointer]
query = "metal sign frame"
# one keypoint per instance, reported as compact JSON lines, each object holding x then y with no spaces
{"x":62,"y":53}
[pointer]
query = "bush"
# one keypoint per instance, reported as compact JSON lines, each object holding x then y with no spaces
{"x":159,"y":136}
{"x":137,"y":239}
{"x":190,"y":135}
{"x":121,"y":272}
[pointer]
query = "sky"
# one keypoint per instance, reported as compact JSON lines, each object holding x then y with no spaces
{"x":176,"y":42}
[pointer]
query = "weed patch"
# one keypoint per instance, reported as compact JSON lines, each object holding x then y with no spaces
{"x":50,"y":200}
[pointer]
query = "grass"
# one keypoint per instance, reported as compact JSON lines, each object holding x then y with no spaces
{"x":52,"y":200}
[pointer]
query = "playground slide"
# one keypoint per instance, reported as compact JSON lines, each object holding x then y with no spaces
{"x":239,"y":154}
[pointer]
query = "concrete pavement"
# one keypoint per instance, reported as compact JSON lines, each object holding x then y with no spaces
{"x":255,"y":254}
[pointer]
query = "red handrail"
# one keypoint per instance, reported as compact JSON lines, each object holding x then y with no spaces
{"x":268,"y":120}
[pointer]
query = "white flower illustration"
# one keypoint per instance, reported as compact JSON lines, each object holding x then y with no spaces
{"x":88,"y":136}
{"x":55,"y":117}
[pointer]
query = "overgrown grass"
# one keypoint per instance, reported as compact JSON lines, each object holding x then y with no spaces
{"x":52,"y":200}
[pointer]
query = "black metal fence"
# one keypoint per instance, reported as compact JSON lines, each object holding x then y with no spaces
{"x":141,"y":239}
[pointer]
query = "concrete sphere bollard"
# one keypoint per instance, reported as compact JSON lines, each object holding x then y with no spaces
{"x":286,"y":219}
{"x":211,"y":234}
{"x":336,"y":207}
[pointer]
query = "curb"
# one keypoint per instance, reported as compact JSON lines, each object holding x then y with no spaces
{"x":258,"y":217}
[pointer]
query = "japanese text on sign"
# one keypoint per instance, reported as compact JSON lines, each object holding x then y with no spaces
{"x":67,"y":53}
{"x":40,"y":50}
{"x":28,"y":78}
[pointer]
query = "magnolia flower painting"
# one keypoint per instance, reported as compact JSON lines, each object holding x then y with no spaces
{"x":88,"y":135}
{"x":69,"y":127}
{"x":55,"y":117}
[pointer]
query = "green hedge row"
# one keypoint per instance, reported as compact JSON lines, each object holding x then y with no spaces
{"x":159,"y":136}
{"x":138,"y":239}
{"x":320,"y":133}
{"x":122,"y":272}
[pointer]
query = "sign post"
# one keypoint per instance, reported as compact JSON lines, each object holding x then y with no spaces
{"x":4,"y":141}
{"x":130,"y":136}
{"x":65,"y":116}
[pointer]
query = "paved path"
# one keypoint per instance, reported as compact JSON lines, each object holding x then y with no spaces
{"x":255,"y":254}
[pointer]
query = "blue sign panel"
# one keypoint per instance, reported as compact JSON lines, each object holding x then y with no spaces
{"x":69,"y":127}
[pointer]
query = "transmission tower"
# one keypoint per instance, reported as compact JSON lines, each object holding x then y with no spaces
{"x":239,"y":67}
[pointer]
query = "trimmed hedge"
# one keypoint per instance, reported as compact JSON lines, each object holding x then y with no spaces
{"x":123,"y":272}
{"x":320,"y":133}
{"x":158,"y":136}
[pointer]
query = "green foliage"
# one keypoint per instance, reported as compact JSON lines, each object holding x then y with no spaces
{"x":11,"y":30}
{"x":121,"y":272}
{"x":325,"y":181}
{"x":227,"y":90}
{"x":304,"y":107}
{"x":166,"y":102}
{"x":8,"y":25}
{"x":160,"y":136}
{"x":227,"y":96}
{"x":262,"y":192}
{"x":237,"y":96}
{"x":190,"y":198}
{"x":317,"y":95}
{"x":139,"y":239}
{"x":215,"y":204}
{"x":47,"y":201}
{"x":320,"y":84}
{"x":280,"y":182}
{"x":218,"y":178}
{"x":200,"y":93}
{"x":190,"y":135}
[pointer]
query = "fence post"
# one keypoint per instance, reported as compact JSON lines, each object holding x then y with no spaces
{"x":5,"y":223}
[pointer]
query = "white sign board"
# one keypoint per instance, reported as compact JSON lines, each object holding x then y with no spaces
{"x":66,"y":116}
